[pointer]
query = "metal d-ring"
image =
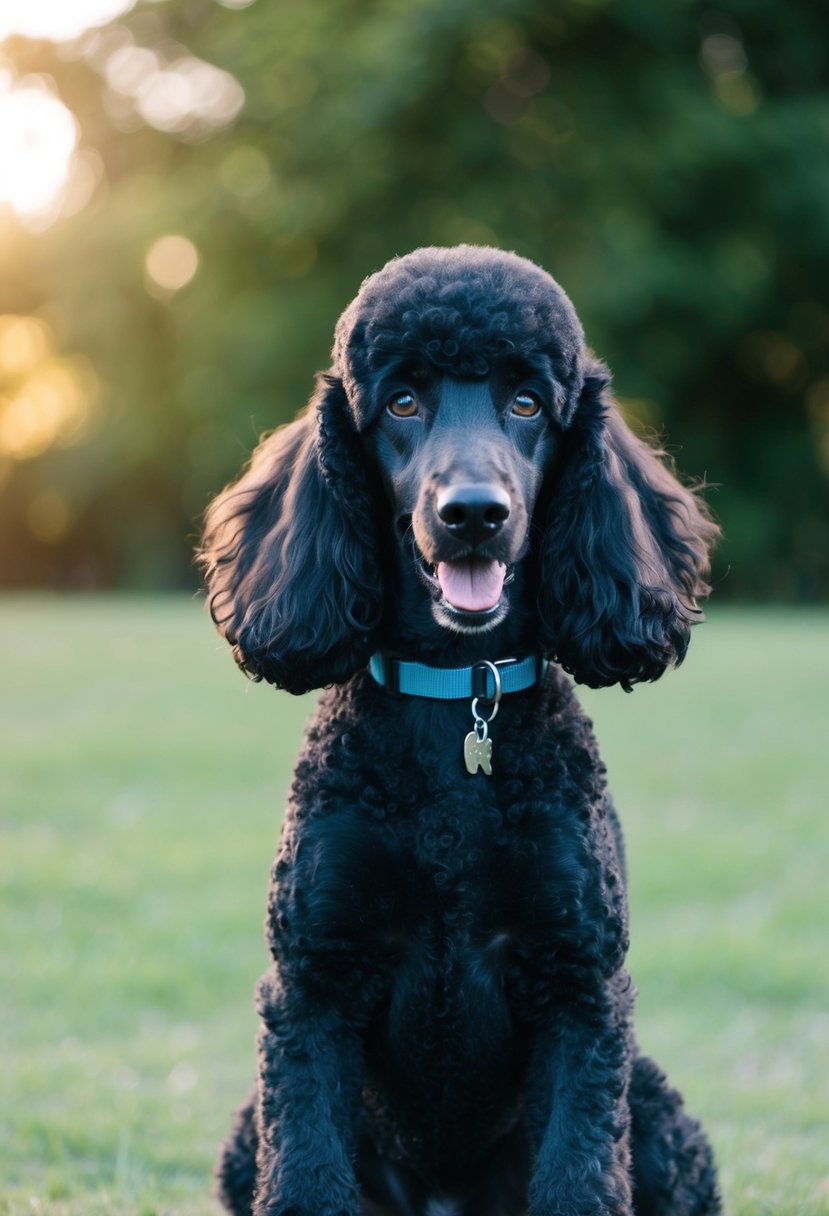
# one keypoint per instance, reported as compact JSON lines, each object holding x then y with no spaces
{"x":495,"y":698}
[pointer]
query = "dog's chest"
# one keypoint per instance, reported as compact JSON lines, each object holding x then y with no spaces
{"x":395,"y":860}
{"x":457,"y":880}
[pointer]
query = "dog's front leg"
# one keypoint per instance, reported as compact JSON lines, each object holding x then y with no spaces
{"x":577,"y":1105}
{"x":310,"y":1080}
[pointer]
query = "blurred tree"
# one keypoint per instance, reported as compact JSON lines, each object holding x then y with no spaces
{"x":667,"y":162}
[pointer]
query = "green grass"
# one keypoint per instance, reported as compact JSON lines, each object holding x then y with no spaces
{"x":141,"y":784}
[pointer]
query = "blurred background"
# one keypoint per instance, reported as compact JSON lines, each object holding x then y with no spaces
{"x":192,"y":190}
{"x":190,"y":193}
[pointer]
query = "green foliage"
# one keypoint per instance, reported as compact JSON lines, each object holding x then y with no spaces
{"x":141,"y":786}
{"x":665,"y":161}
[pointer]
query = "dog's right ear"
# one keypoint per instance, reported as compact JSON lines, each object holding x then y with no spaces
{"x":289,"y":553}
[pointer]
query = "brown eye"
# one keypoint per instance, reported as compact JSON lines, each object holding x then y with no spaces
{"x":402,"y":405}
{"x":526,"y":405}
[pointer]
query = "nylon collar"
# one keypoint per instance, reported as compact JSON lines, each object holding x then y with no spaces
{"x":457,"y":683}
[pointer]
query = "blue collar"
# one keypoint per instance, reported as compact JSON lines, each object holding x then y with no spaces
{"x":457,"y":683}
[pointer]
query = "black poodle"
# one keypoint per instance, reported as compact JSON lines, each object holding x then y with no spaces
{"x":460,"y":517}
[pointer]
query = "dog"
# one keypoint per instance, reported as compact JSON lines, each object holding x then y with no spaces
{"x":459,"y":522}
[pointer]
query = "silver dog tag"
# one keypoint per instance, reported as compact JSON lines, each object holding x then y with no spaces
{"x":477,"y":749}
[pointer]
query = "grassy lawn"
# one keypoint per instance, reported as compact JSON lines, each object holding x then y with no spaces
{"x":140,"y":792}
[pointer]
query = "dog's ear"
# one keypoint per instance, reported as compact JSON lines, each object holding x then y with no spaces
{"x":289,"y":553}
{"x":624,"y":553}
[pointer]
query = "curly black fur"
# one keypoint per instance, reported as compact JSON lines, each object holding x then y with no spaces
{"x":291,"y":551}
{"x":624,"y":558}
{"x":446,"y":1025}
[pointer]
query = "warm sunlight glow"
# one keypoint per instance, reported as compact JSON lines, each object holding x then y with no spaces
{"x":37,"y":138}
{"x":50,"y":406}
{"x":24,"y":342}
{"x":44,"y":399}
{"x":58,"y":20}
{"x":171,"y":263}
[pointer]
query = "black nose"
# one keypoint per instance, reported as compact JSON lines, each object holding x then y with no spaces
{"x":473,"y":512}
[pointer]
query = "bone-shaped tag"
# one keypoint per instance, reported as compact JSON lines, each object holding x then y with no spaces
{"x":477,"y":753}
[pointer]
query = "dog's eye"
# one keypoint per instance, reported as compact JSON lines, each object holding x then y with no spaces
{"x":402,"y":405}
{"x":526,"y":405}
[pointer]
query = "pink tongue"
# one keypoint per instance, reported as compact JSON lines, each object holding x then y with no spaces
{"x":471,"y":586}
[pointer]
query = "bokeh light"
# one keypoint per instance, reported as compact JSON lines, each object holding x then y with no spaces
{"x":38,"y":135}
{"x":245,"y":171}
{"x":171,"y":263}
{"x":24,"y":342}
{"x":188,"y":93}
{"x":176,"y":93}
{"x":50,"y":406}
{"x":58,"y":20}
{"x":44,"y":399}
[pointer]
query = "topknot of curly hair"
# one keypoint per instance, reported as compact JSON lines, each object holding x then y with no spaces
{"x":462,"y":309}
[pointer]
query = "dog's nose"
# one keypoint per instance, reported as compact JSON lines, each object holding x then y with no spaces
{"x":473,"y":513}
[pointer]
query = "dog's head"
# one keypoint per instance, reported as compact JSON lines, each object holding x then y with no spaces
{"x":463,"y":453}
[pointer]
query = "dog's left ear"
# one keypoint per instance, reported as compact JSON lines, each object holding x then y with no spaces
{"x":290,"y":555}
{"x":624,"y":555}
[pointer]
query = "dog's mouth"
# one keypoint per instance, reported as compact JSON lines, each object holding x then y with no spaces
{"x":469,"y":592}
{"x":471,"y":585}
